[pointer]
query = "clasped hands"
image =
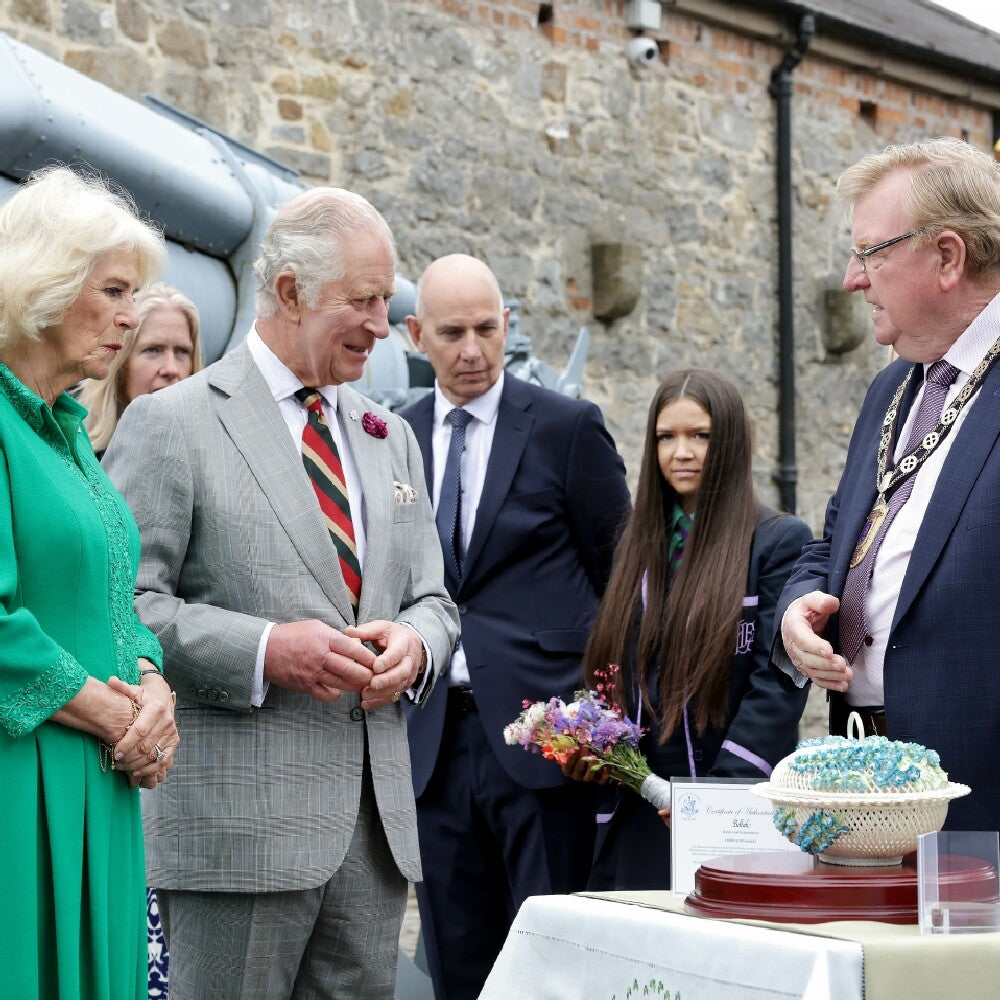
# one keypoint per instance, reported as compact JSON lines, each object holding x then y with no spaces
{"x":322,"y":662}
{"x":802,"y":627}
{"x":146,"y":750}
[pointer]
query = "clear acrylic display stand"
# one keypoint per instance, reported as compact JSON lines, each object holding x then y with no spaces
{"x":957,"y":882}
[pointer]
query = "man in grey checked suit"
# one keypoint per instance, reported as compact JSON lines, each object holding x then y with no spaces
{"x":283,"y":848}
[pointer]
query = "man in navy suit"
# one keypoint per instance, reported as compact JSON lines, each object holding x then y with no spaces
{"x":528,"y":540}
{"x":910,"y":636}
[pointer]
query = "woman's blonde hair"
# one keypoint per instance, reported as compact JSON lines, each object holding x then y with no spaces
{"x":52,"y":231}
{"x":105,"y":398}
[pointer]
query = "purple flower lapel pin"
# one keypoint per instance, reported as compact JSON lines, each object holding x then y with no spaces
{"x":374,"y":425}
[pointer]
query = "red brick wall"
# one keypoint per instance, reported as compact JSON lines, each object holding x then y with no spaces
{"x":583,"y":24}
{"x":728,"y":62}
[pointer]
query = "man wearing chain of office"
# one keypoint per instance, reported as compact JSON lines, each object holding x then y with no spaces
{"x":894,"y":608}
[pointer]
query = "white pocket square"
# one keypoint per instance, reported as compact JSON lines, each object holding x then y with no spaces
{"x":404,"y":493}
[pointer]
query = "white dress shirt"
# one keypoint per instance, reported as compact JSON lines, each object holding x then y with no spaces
{"x":283,"y":385}
{"x":893,"y":557}
{"x":478,"y":443}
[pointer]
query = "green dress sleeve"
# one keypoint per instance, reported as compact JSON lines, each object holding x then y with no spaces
{"x":37,"y":676}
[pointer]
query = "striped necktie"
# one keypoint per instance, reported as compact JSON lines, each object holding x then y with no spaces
{"x":322,"y":462}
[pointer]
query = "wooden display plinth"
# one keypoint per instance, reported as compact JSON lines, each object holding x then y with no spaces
{"x":796,"y":888}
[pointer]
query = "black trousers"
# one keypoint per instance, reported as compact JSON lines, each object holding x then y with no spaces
{"x":486,"y":844}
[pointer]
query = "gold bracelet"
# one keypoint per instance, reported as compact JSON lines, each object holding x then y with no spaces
{"x":107,"y":750}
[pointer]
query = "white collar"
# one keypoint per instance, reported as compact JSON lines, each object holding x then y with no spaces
{"x":484,"y":408}
{"x":280,"y":379}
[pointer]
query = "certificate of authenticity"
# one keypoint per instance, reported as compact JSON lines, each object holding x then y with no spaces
{"x":712,"y":817}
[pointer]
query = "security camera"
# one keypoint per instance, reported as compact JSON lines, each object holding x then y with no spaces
{"x":641,"y":52}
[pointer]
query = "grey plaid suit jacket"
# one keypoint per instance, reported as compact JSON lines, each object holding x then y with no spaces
{"x":266,"y":799}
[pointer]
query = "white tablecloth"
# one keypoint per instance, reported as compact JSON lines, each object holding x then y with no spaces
{"x":585,"y":948}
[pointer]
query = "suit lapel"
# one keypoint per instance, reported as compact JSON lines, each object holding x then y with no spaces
{"x":973,"y":445}
{"x":371,"y":461}
{"x":421,"y":419}
{"x":862,"y":492}
{"x":513,"y":428}
{"x":258,"y":432}
{"x":851,"y":519}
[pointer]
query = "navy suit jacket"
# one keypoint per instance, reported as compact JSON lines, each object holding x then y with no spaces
{"x":554,"y":499}
{"x":942,"y":663}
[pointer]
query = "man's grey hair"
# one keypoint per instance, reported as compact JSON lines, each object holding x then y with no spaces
{"x":309,"y":237}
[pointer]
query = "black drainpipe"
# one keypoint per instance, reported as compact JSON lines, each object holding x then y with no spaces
{"x":781,"y":89}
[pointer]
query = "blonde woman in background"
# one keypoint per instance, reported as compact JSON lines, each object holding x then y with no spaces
{"x":162,"y":350}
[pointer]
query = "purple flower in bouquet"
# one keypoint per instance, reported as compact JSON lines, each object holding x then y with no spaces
{"x":610,"y":740}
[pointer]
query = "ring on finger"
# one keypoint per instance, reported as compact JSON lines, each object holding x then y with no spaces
{"x":160,"y":753}
{"x":396,"y":697}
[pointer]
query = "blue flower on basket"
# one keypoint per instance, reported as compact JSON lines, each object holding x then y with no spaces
{"x":784,"y":820}
{"x":819,"y":831}
{"x":836,"y":764}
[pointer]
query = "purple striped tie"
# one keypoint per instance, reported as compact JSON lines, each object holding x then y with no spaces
{"x":853,"y":626}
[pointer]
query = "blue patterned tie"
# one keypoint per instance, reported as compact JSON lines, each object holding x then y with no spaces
{"x":853,"y":624}
{"x":449,"y":512}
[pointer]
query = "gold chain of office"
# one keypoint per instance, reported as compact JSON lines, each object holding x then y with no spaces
{"x":887,"y":480}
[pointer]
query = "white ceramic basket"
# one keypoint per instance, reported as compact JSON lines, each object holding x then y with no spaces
{"x":881,"y":827}
{"x":871,"y":826}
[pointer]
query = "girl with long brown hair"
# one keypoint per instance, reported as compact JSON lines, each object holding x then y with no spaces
{"x":689,"y":616}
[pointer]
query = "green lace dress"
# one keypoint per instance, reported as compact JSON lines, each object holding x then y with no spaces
{"x":72,"y":897}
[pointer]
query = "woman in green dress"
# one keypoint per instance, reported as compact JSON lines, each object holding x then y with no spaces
{"x":85,"y":715}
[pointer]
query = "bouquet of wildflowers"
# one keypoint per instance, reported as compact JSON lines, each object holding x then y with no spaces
{"x":555,"y":729}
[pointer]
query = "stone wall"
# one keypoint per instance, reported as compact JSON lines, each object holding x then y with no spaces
{"x":516,"y":131}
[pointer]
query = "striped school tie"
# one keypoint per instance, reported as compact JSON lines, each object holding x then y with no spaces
{"x":322,"y":462}
{"x":682,"y":529}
